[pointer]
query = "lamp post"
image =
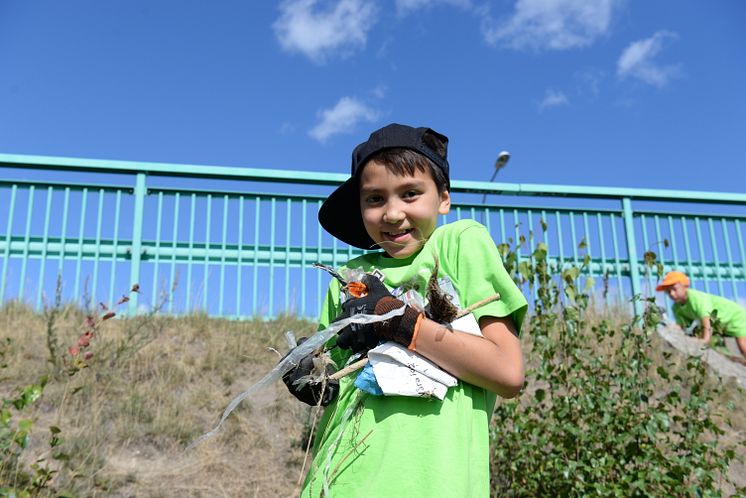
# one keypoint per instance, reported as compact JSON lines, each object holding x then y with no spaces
{"x":502,"y":159}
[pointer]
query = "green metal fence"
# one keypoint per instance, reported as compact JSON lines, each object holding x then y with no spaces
{"x":239,"y":242}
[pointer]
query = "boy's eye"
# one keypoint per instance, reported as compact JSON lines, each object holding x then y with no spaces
{"x":411,"y":193}
{"x":373,"y":199}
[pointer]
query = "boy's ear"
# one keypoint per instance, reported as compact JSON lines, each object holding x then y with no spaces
{"x":445,"y":202}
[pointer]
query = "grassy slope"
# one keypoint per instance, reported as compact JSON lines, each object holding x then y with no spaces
{"x":127,"y":418}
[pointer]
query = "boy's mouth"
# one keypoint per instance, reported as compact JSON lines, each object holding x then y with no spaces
{"x":398,"y":235}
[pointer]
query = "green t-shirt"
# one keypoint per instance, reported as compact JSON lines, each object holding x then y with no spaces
{"x":732,"y":316}
{"x":386,"y":446}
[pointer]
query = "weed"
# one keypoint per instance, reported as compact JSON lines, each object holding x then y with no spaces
{"x":603,"y":415}
{"x":17,"y":477}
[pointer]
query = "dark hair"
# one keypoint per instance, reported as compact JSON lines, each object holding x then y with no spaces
{"x":402,"y":161}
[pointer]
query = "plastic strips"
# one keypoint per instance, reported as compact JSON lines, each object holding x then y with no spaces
{"x":313,"y":343}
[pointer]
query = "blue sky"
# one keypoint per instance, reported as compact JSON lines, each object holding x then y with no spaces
{"x":609,"y":92}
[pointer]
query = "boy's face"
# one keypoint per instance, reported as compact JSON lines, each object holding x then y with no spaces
{"x":400,"y":212}
{"x":677,"y":292}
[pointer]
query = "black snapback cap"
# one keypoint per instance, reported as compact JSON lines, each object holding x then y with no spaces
{"x":340,"y":213}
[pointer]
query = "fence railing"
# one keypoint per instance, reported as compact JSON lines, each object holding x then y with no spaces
{"x":239,"y":242}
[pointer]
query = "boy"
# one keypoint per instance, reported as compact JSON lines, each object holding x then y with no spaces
{"x":690,"y":305}
{"x":385,"y":446}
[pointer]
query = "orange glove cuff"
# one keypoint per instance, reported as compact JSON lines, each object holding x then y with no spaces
{"x":413,"y":345}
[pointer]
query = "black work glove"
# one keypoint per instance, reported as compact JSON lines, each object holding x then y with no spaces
{"x":310,"y":392}
{"x":361,"y":337}
{"x":378,"y":301}
{"x":402,"y":328}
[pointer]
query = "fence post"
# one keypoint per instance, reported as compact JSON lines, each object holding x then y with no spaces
{"x":8,"y":238}
{"x":634,"y":271}
{"x":140,"y":193}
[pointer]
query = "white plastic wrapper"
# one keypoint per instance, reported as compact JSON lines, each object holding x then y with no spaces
{"x":467,"y":323}
{"x":414,"y":299}
{"x":401,"y":372}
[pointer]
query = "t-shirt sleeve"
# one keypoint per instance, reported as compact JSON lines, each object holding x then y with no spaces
{"x":330,"y":307}
{"x":481,"y":274}
{"x":701,"y":304}
{"x":681,"y":320}
{"x":329,"y":311}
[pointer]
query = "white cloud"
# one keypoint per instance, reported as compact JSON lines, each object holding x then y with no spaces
{"x":551,"y":24}
{"x":553,"y":98}
{"x":342,"y":118}
{"x":638,"y":61}
{"x":286,"y":128}
{"x":406,"y":6}
{"x":317,"y":33}
{"x":379,"y":92}
{"x":590,"y":81}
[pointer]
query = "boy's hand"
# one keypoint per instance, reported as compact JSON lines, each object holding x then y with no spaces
{"x":360,"y":337}
{"x":308,"y":390}
{"x":378,"y":301}
{"x":402,"y":329}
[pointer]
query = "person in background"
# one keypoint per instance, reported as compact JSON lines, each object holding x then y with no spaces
{"x":710,"y":310}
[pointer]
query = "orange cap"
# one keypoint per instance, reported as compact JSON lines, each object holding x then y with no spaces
{"x":673,"y":277}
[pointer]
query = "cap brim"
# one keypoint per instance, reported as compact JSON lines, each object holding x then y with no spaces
{"x":340,"y":216}
{"x":662,"y":287}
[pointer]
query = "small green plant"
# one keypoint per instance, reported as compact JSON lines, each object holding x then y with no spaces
{"x":17,"y":478}
{"x":139,"y":330}
{"x":591,"y":423}
{"x":20,"y":474}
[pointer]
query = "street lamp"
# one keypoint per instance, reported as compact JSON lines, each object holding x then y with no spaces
{"x":502,"y":159}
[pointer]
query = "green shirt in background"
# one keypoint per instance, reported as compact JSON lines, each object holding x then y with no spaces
{"x":390,"y":446}
{"x":699,"y":305}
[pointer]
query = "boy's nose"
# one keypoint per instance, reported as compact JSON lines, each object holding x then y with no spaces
{"x":393,"y":215}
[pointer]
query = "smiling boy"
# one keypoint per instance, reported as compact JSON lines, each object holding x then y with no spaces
{"x":690,"y":305}
{"x":384,"y":446}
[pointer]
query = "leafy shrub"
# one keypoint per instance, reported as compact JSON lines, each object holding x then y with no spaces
{"x":24,"y":475}
{"x":596,"y":420}
{"x":17,"y":477}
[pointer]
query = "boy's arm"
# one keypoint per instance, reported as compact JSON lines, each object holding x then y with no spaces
{"x":703,"y":308}
{"x":493,"y":362}
{"x":706,"y":329}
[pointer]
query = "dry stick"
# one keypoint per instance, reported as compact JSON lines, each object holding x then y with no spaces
{"x":352,"y":367}
{"x":310,"y":436}
{"x":349,"y":369}
{"x":478,"y":304}
{"x":342,"y":460}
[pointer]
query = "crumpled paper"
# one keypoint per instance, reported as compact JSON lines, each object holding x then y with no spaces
{"x":401,"y":372}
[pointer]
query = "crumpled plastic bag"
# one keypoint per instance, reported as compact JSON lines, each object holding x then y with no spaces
{"x":313,"y":343}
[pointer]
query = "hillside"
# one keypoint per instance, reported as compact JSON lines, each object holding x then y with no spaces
{"x":154,"y":384}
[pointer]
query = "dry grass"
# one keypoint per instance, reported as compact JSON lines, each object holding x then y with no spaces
{"x":127,"y":419}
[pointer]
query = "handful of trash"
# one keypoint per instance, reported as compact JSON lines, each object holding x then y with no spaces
{"x":393,"y":361}
{"x":313,"y":343}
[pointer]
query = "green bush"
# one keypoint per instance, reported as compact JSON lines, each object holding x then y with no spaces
{"x":18,"y":478}
{"x":601,"y":418}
